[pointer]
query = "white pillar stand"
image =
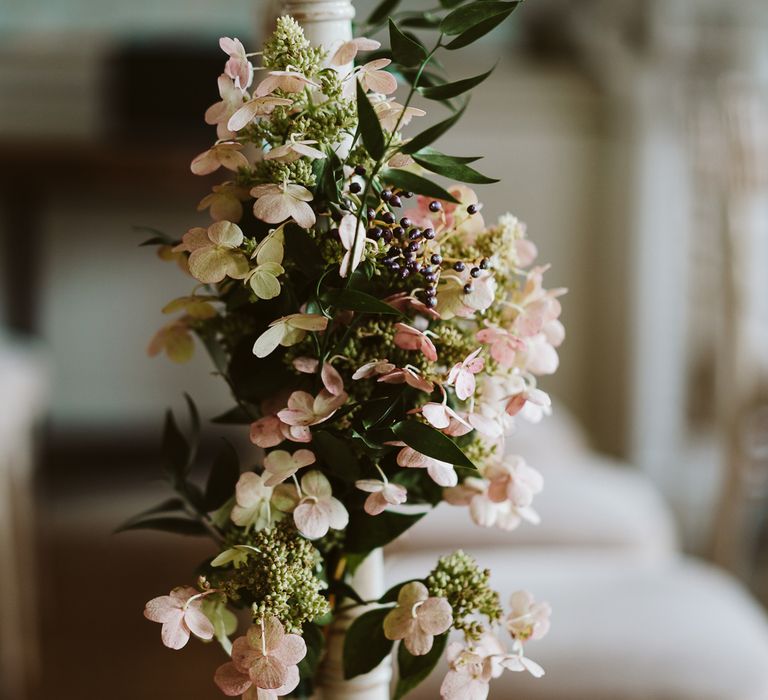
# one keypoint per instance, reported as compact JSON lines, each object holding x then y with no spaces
{"x":368,"y":581}
{"x":328,"y":23}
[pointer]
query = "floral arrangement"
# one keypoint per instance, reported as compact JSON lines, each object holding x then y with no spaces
{"x":380,"y":340}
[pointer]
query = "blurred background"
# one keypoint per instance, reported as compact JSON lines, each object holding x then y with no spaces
{"x":633,"y":140}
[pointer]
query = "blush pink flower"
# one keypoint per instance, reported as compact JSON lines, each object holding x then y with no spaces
{"x":276,"y":203}
{"x":280,"y":465}
{"x":504,"y":346}
{"x":256,"y":107}
{"x":221,"y":112}
{"x":513,"y":480}
{"x":287,"y":331}
{"x":442,"y":473}
{"x":293,"y":150}
{"x":408,"y":376}
{"x":374,"y":78}
{"x":409,"y":338}
{"x":347,"y":52}
{"x":214,"y":253}
{"x":469,"y":675}
{"x":441,"y":416}
{"x":417,"y":618}
{"x":252,"y":496}
{"x":352,"y":234}
{"x":175,"y":339}
{"x":266,"y":658}
{"x":371,"y":369}
{"x":473,"y":492}
{"x":462,"y":374}
{"x":225,"y":202}
{"x":227,"y":155}
{"x":404,"y":302}
{"x":536,"y":401}
{"x":285,"y":80}
{"x":270,"y":431}
{"x":315,"y":510}
{"x":180,"y":613}
{"x":382,"y":495}
{"x":238,"y":67}
{"x":527,"y":619}
{"x":393,"y":115}
{"x":305,"y":409}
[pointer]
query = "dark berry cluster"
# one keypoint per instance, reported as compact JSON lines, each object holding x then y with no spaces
{"x":407,"y":254}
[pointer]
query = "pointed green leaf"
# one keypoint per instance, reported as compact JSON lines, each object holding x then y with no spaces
{"x":168,"y":506}
{"x":449,"y":90}
{"x":382,"y":11}
{"x":343,"y":590}
{"x":370,"y":128}
{"x":335,"y":453}
{"x":425,"y":20}
{"x":448,"y":4}
{"x":425,"y":138}
{"x":406,"y":180}
{"x":179,"y":526}
{"x":405,"y":50}
{"x":468,"y":16}
{"x":431,"y":442}
{"x":194,"y":427}
{"x":451,"y":168}
{"x":303,"y":250}
{"x":476,"y":32}
{"x":176,"y":450}
{"x":355,"y":300}
{"x":222,"y":478}
{"x":234,"y":416}
{"x":368,"y":532}
{"x":365,"y":645}
{"x":412,"y":670}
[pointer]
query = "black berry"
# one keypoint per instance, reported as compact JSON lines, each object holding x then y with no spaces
{"x":458,"y":266}
{"x":475,"y":272}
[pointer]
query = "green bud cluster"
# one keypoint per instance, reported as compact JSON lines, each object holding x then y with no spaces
{"x":300,"y":172}
{"x":288,"y":48}
{"x":459,"y":580}
{"x":279,"y":579}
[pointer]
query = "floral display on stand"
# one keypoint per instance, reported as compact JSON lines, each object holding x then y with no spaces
{"x":380,"y":338}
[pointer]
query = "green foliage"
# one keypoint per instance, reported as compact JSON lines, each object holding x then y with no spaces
{"x":405,"y":50}
{"x":412,"y":670}
{"x":370,"y":128}
{"x":365,"y":645}
{"x":407,"y":180}
{"x":449,"y":90}
{"x":368,"y":532}
{"x":222,"y":478}
{"x":451,"y":167}
{"x":431,"y":442}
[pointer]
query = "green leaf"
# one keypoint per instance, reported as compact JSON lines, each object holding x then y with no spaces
{"x":222,"y":478}
{"x":167,"y":506}
{"x":179,"y":526}
{"x":176,"y":450}
{"x":343,"y":590}
{"x":425,"y":20}
{"x":425,"y":138}
{"x":365,"y":645}
{"x":449,"y":90}
{"x":468,"y":16}
{"x":482,"y":28}
{"x":405,"y":50}
{"x":367,"y":532}
{"x":194,"y":427}
{"x":382,"y":11}
{"x":355,"y":300}
{"x":431,"y":442}
{"x":376,"y":411}
{"x":315,"y":641}
{"x":336,"y":455}
{"x":448,"y":4}
{"x":303,"y":251}
{"x":415,"y":183}
{"x":412,"y":670}
{"x":451,"y":167}
{"x":234,"y":416}
{"x":370,"y":128}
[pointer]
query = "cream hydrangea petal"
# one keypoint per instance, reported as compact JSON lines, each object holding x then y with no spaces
{"x":315,"y":484}
{"x":268,"y":341}
{"x":231,"y":158}
{"x":226,"y":234}
{"x":436,"y":415}
{"x":338,"y":517}
{"x":209,"y":265}
{"x":285,"y":498}
{"x":280,"y":465}
{"x":398,"y":623}
{"x":205,"y":162}
{"x":418,"y":642}
{"x":380,"y":81}
{"x":412,"y":593}
{"x":369,"y":485}
{"x":308,"y":151}
{"x":271,"y":249}
{"x":243,"y":116}
{"x":275,"y":208}
{"x":161,"y":609}
{"x":308,"y":322}
{"x":303,"y":458}
{"x":303,"y":214}
{"x":193,"y":239}
{"x":462,"y":686}
{"x":264,"y":282}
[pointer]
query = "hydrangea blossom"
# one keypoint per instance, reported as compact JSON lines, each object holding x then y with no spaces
{"x":181,"y":614}
{"x":417,"y":618}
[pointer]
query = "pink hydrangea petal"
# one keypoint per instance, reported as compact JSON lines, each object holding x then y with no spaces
{"x":398,"y":623}
{"x":461,"y":686}
{"x":175,"y":633}
{"x":338,"y":517}
{"x":198,"y":623}
{"x":332,"y":380}
{"x":162,"y":609}
{"x":436,"y":415}
{"x":266,"y":432}
{"x":375,"y":504}
{"x":418,"y":642}
{"x":310,"y":520}
{"x":291,"y":650}
{"x":231,"y":681}
{"x":435,"y":616}
{"x":268,"y":672}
